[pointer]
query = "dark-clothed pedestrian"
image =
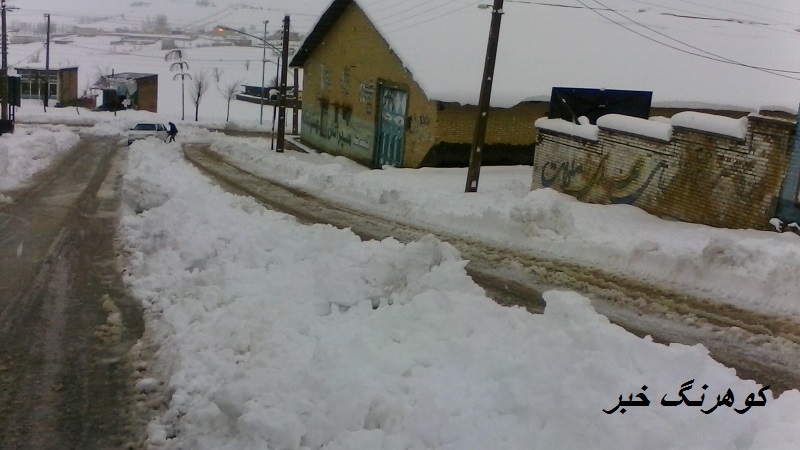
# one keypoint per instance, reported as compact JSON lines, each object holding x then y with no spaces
{"x":173,"y":131}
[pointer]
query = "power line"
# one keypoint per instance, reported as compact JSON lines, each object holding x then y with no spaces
{"x":758,"y":5}
{"x":556,"y":5}
{"x":713,"y":57}
{"x":402,"y":19}
{"x":433,"y":18}
{"x":725,"y":10}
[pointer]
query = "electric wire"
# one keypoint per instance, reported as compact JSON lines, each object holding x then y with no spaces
{"x":389,"y":31}
{"x":708,"y":55}
{"x":695,"y":15}
{"x":403,"y":19}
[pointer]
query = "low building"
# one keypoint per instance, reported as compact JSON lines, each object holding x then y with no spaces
{"x":128,"y":90}
{"x":60,"y":84}
{"x":362,"y":101}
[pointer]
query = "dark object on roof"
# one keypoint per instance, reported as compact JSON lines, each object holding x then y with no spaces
{"x":571,"y":103}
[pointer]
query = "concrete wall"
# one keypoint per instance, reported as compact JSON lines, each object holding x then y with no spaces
{"x":696,"y":176}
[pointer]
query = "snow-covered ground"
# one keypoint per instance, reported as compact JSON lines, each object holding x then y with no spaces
{"x":266,"y":329}
{"x":267,"y":336}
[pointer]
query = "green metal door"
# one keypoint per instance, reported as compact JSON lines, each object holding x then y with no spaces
{"x":391,"y":127}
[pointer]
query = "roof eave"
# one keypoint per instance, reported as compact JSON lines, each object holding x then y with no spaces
{"x":317,"y":34}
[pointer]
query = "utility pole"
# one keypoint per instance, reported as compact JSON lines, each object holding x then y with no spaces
{"x":263,"y":64}
{"x":47,"y":64}
{"x":296,"y":78}
{"x":282,"y":97}
{"x":4,"y":68}
{"x":475,"y":156}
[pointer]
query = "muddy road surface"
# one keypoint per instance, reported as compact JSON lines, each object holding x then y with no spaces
{"x":66,"y":321}
{"x":759,"y":347}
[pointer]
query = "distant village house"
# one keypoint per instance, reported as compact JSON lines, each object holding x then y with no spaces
{"x":59,"y":83}
{"x":128,"y":90}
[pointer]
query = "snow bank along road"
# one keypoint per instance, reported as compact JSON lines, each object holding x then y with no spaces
{"x":763,"y":348}
{"x":66,"y":322}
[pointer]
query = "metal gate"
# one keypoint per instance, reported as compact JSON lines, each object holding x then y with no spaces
{"x":391,"y":127}
{"x":788,"y":209}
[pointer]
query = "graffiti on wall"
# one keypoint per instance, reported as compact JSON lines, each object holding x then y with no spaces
{"x":366,"y":90}
{"x":324,"y":78}
{"x":705,"y":168}
{"x":696,"y":176}
{"x":422,"y":129}
{"x":333,"y":129}
{"x":578,"y":178}
{"x":345,"y":81}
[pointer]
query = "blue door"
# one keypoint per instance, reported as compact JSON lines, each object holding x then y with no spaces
{"x":391,"y":127}
{"x":789,"y":202}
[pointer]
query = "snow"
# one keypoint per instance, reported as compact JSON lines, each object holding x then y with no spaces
{"x":30,"y":150}
{"x":266,"y":329}
{"x":670,"y":48}
{"x":270,"y":336}
{"x":655,"y":129}
{"x":541,"y":46}
{"x":727,"y":126}
{"x":582,"y":130}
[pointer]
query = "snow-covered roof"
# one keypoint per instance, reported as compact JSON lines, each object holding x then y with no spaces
{"x":607,"y":45}
{"x":42,"y":67}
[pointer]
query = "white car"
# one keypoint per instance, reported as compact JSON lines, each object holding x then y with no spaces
{"x":145,"y":130}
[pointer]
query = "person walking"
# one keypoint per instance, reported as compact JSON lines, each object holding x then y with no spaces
{"x":173,"y":131}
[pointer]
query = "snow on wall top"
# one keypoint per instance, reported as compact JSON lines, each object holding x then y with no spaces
{"x":583,"y":130}
{"x":727,"y":126}
{"x":655,"y":129}
{"x":443,"y":44}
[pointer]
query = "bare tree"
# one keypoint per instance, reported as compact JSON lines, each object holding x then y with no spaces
{"x":198,"y":87}
{"x":177,"y":56}
{"x":228,"y":92}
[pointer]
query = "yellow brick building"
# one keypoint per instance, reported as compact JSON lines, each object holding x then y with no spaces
{"x":360,"y":101}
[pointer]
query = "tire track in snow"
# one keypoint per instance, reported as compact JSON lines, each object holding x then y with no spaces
{"x":760,"y":347}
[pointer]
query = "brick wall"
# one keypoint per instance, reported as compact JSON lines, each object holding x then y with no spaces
{"x":513,"y":126}
{"x":696,"y":176}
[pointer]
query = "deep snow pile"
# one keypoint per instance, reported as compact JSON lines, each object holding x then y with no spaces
{"x":30,"y":150}
{"x":753,"y":270}
{"x":269,"y":338}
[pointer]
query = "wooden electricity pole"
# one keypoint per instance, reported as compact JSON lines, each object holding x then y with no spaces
{"x":4,"y":68}
{"x":476,"y":153}
{"x":47,"y":65}
{"x":296,"y":96}
{"x":280,"y":144}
